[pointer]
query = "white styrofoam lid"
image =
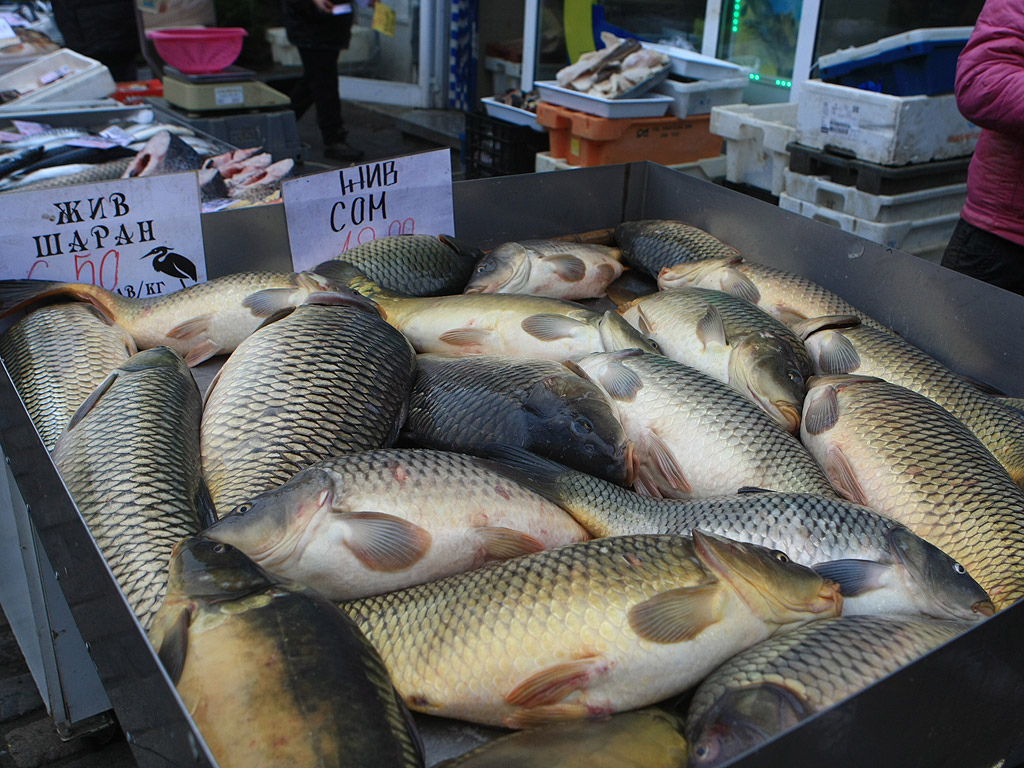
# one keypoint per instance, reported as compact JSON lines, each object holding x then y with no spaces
{"x":924,"y":35}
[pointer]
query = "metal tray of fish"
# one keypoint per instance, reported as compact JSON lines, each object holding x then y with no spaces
{"x":959,"y":705}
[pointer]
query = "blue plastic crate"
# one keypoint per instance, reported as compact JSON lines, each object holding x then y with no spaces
{"x":920,"y":62}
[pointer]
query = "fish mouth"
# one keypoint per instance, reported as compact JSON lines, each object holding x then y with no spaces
{"x":473,"y":289}
{"x":790,"y":415}
{"x":984,"y":607}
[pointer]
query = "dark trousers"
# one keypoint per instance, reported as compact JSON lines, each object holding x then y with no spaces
{"x":985,"y":256}
{"x":319,"y":86}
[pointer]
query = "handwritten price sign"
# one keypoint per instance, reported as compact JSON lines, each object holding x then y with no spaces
{"x":329,"y":213}
{"x":138,"y":237}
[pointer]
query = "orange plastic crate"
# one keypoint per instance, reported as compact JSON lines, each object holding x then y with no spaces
{"x":588,"y":140}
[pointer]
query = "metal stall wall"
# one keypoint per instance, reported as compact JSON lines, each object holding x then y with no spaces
{"x":958,"y":706}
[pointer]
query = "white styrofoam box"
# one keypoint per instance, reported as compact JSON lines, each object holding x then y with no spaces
{"x":650,"y":105}
{"x":698,"y":97}
{"x":921,"y":204}
{"x":684,"y":63}
{"x":515,"y":115}
{"x":880,"y":128}
{"x":708,"y":168}
{"x":505,"y":74}
{"x":83,"y":79}
{"x":755,"y":142}
{"x":910,"y":235}
{"x":360,"y":47}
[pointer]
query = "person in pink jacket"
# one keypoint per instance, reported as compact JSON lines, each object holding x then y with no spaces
{"x":988,"y":242}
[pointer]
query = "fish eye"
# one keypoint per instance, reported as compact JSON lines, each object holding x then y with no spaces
{"x":959,"y":569}
{"x":220,"y":549}
{"x":241,"y":509}
{"x":582,"y":426}
{"x":779,"y":555}
{"x":795,"y":376}
{"x":484,"y":268}
{"x":653,"y":343}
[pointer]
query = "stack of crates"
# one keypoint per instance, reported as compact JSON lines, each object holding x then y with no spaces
{"x":889,"y":167}
{"x":493,"y":147}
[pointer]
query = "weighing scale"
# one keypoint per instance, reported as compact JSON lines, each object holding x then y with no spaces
{"x":235,"y":88}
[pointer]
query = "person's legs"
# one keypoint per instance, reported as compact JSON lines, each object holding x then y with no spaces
{"x":320,"y":71}
{"x":984,"y":256}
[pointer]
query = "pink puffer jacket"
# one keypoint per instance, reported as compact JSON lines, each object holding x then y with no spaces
{"x":990,"y":93}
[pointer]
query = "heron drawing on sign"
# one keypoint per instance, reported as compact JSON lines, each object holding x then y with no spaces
{"x":173,"y":264}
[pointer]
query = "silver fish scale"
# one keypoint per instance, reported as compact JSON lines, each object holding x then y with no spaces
{"x":56,"y":357}
{"x":416,"y":265}
{"x":321,"y":381}
{"x":770,"y":457}
{"x":132,"y":467}
{"x":652,"y":245}
{"x":939,"y":481}
{"x":823,"y":661}
{"x":459,"y":399}
{"x":111,"y":169}
{"x":998,"y":427}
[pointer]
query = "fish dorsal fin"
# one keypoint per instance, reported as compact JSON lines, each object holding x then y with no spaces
{"x":620,"y":382}
{"x":174,"y":646}
{"x":821,"y":410}
{"x":840,"y":473}
{"x":93,"y":398}
{"x":384,"y":542}
{"x":205,"y":508}
{"x":854,"y":577}
{"x":661,"y":456}
{"x":809,"y":326}
{"x":466,"y":337}
{"x":711,"y":327}
{"x":836,"y":354}
{"x":550,"y":327}
{"x":569,"y":268}
{"x":677,"y":615}
{"x":506,"y":543}
{"x":554,"y":683}
{"x":268,"y":301}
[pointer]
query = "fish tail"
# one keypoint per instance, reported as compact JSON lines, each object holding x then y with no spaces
{"x":24,"y":294}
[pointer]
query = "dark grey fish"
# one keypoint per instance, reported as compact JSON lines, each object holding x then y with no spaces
{"x":112,"y":169}
{"x":651,"y":245}
{"x":130,"y":459}
{"x":415,"y":265}
{"x":461,"y":403}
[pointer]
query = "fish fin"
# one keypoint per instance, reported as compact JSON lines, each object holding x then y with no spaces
{"x":789,"y":316}
{"x":538,"y":473}
{"x":645,"y":484}
{"x":677,"y":615}
{"x":837,"y":354}
{"x":569,"y":268}
{"x":201,"y":352}
{"x":465,"y":337}
{"x":606,"y":273}
{"x":737,"y":284}
{"x":840,"y":473}
{"x":753,"y":489}
{"x":93,"y":398}
{"x":551,"y":713}
{"x":665,"y":461}
{"x":620,"y":382}
{"x":268,"y":301}
{"x":211,"y":385}
{"x":810,"y":325}
{"x":821,"y":410}
{"x":854,"y":577}
{"x":385,"y":542}
{"x":711,"y":327}
{"x":506,"y":543}
{"x":174,"y":646}
{"x":643,"y":324}
{"x":574,"y":367}
{"x":205,"y":508}
{"x":554,"y":683}
{"x":548,"y":327}
{"x":190,"y":328}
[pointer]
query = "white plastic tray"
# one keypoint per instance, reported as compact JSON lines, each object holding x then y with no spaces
{"x":644,"y":106}
{"x":85,"y":79}
{"x":510,"y":114}
{"x":695,"y":65}
{"x":698,"y":97}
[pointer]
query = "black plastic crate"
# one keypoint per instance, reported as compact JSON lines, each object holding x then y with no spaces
{"x":494,"y":147}
{"x":873,"y":178}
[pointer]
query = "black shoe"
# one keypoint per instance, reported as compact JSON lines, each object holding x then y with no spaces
{"x":339,"y":150}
